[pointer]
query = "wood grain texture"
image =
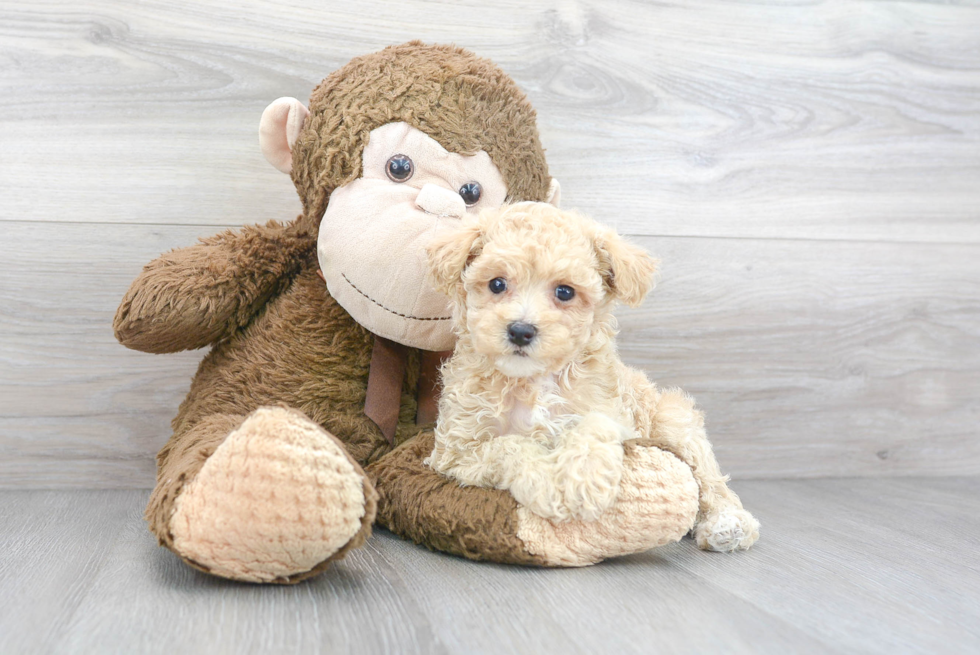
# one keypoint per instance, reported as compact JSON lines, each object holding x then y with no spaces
{"x":75,"y":406}
{"x":808,"y":172}
{"x":871,"y":566}
{"x":825,"y":120}
{"x":820,"y":358}
{"x":810,"y":358}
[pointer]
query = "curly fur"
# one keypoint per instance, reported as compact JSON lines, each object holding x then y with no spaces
{"x":547,"y":420}
{"x":464,"y":102}
{"x":278,"y":337}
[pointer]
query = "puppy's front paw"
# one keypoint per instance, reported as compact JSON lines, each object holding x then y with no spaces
{"x":589,"y":476}
{"x":656,"y":505}
{"x":541,"y":497}
{"x":728,"y":530}
{"x":536,"y":491}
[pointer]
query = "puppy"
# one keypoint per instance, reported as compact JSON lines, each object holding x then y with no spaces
{"x":535,"y":398}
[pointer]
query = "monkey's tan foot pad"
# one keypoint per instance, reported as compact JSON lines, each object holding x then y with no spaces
{"x":657,"y":505}
{"x":275,"y":502}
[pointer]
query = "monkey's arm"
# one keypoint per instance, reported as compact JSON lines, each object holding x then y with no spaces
{"x":191,"y":297}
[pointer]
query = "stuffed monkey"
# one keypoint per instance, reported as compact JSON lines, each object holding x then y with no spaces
{"x":311,"y":414}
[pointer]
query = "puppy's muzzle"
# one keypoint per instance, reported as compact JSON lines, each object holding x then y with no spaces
{"x":521,"y":334}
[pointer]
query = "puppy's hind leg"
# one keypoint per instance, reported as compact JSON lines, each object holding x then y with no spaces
{"x":677,"y":426}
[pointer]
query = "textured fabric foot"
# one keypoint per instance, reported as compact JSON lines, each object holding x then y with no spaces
{"x":275,"y":502}
{"x":657,"y":504}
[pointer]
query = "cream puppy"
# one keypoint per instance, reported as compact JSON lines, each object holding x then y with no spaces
{"x":535,"y":398}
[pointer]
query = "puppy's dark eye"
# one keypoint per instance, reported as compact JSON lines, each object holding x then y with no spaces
{"x":399,"y":168}
{"x":497,"y":285}
{"x":471,"y":192}
{"x":564,"y":293}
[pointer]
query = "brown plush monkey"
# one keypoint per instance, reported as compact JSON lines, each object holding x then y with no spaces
{"x":307,"y":383}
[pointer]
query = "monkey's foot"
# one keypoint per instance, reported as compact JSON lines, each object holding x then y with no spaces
{"x":277,"y":501}
{"x":727,"y":530}
{"x":657,"y":504}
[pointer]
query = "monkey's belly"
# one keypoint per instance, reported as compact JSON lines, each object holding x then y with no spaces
{"x":303,"y":350}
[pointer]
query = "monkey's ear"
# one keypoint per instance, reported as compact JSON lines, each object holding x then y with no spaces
{"x":554,"y":193}
{"x":627,"y":270}
{"x":280,"y":126}
{"x":449,"y":253}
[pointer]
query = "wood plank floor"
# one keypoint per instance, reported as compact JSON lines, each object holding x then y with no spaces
{"x":765,"y":335}
{"x":846,"y":565}
{"x":819,"y":120}
{"x":806,"y":171}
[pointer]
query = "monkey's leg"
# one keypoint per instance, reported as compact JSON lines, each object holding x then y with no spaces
{"x":657,"y":504}
{"x":677,"y":426}
{"x":271,"y":497}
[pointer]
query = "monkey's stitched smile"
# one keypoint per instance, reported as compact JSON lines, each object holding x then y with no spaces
{"x":392,"y":311}
{"x":378,"y":226}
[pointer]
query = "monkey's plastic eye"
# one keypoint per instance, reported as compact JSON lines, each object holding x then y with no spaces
{"x":564,"y":293}
{"x":399,"y":168}
{"x":471,"y":192}
{"x":497,"y":285}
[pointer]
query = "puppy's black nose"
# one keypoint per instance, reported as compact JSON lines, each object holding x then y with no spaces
{"x":521,"y":334}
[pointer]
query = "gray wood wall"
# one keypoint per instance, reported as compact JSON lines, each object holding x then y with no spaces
{"x":809,"y":174}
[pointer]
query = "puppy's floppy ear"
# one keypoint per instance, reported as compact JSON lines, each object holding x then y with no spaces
{"x":627,"y":270}
{"x":450,"y":252}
